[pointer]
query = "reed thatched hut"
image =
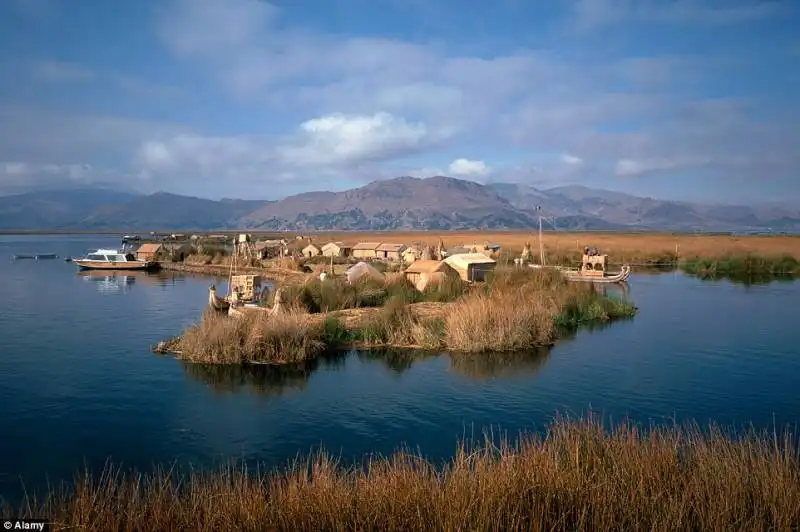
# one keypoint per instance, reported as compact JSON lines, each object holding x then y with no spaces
{"x":424,"y":273}
{"x":362,"y":271}
{"x":471,"y":267}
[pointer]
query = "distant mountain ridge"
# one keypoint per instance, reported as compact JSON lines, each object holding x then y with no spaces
{"x":403,"y":203}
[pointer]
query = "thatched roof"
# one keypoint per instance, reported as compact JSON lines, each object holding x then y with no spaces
{"x":392,"y":247}
{"x":369,"y":246}
{"x":426,"y":266}
{"x":149,"y":248}
{"x":464,"y":260}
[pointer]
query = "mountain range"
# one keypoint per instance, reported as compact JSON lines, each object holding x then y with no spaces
{"x":440,"y":202}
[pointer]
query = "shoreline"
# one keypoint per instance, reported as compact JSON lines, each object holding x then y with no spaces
{"x":280,"y":275}
{"x":352,"y":322}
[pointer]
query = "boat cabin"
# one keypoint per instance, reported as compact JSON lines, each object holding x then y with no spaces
{"x":594,"y":265}
{"x":110,"y":255}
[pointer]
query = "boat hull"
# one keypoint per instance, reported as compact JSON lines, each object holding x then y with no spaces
{"x":619,"y":277}
{"x":116,"y":266}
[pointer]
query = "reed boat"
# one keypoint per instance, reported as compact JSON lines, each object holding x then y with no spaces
{"x":215,"y":302}
{"x":593,"y":270}
{"x":112,"y":259}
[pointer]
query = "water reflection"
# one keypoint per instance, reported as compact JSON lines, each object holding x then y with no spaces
{"x":482,"y":366}
{"x":261,"y":379}
{"x":273,"y":381}
{"x":397,"y":360}
{"x":112,"y":282}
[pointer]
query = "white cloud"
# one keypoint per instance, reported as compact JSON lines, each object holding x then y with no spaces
{"x":467,"y":168}
{"x":342,"y":139}
{"x":382,"y":105}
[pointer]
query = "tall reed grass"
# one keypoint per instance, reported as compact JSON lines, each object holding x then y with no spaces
{"x":514,"y":310}
{"x":518,"y":309}
{"x":287,"y":337}
{"x":575,"y":477}
{"x":746,"y":269}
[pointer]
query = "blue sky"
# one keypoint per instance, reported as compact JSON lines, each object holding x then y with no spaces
{"x":688,"y":99}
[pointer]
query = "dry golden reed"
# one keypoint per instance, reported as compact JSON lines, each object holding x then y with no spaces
{"x":577,"y":477}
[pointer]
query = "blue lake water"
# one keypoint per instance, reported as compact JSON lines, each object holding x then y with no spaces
{"x":79,"y":385}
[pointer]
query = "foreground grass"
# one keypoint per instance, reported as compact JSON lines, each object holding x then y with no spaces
{"x":576,"y":477}
{"x":514,"y":310}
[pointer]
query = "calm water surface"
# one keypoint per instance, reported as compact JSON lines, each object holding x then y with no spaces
{"x":78,"y":383}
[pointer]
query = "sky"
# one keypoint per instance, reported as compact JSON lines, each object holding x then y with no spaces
{"x":677,"y":99}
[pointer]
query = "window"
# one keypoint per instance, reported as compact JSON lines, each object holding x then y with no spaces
{"x":97,"y":257}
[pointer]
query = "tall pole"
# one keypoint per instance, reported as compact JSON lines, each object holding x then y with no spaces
{"x":541,"y":246}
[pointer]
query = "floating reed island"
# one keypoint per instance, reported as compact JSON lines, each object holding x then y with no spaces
{"x":515,"y":309}
{"x":577,"y":476}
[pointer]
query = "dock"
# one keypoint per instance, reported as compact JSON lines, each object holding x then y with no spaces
{"x":36,"y":256}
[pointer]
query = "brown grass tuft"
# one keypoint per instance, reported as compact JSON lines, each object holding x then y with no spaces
{"x":577,"y":477}
{"x":257,"y":337}
{"x":521,"y":308}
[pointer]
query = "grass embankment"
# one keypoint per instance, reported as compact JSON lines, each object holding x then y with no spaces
{"x":514,"y":310}
{"x":576,"y":477}
{"x":745,"y":269}
{"x":622,"y":247}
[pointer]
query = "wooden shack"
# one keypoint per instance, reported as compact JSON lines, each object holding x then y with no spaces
{"x":423,"y":273}
{"x":310,"y":251}
{"x":366,"y":250}
{"x":390,"y":252}
{"x":148,"y":252}
{"x":337,"y":249}
{"x":471,"y":267}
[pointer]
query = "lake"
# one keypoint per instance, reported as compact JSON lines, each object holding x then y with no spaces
{"x":79,"y":385}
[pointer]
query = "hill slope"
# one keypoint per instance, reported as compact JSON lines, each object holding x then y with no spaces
{"x":403,"y":203}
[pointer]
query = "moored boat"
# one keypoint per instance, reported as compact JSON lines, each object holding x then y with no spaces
{"x":593,"y":270}
{"x":112,"y":259}
{"x":215,"y":302}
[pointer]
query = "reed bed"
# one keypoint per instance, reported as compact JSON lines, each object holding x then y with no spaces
{"x":514,"y":310}
{"x":577,"y":476}
{"x":745,"y":269}
{"x":622,"y":247}
{"x":520,"y":309}
{"x":285,"y":338}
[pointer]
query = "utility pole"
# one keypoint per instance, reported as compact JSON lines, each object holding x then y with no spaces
{"x":541,"y":246}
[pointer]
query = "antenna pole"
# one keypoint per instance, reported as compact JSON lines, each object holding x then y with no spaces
{"x":541,"y":247}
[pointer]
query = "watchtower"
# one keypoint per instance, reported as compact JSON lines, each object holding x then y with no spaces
{"x":594,"y":265}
